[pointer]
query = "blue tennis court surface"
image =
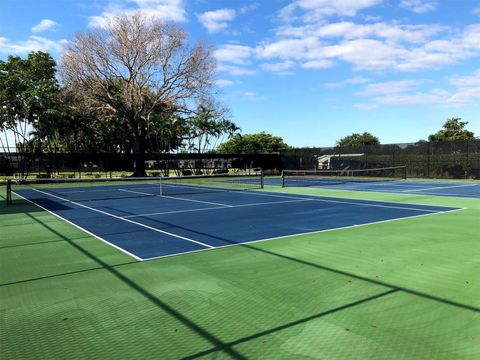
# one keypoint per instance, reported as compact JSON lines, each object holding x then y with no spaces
{"x":435,"y":188}
{"x":155,"y":226}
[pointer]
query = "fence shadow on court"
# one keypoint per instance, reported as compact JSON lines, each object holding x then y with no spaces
{"x":216,"y":342}
{"x":18,"y":206}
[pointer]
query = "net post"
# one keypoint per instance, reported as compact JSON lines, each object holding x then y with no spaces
{"x":262,"y":178}
{"x":283,"y":178}
{"x":9,"y":192}
{"x":405,"y":173}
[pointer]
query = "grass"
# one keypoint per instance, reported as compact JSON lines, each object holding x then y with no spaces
{"x":407,"y":289}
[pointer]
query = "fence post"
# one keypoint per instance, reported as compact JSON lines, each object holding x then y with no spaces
{"x":429,"y":149}
{"x":9,"y":192}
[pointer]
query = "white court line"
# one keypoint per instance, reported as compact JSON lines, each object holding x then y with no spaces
{"x":448,"y":195}
{"x":101,"y":190}
{"x":177,"y":198}
{"x":440,"y":187}
{"x":395,"y":192}
{"x":173,"y":212}
{"x":352,"y":203}
{"x":81,"y":228}
{"x":127,"y":220}
{"x":197,"y":201}
{"x":216,"y":208}
{"x":302,"y":234}
{"x":137,"y":192}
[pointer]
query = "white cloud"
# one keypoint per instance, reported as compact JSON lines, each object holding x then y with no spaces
{"x":249,"y":93}
{"x":287,"y":48}
{"x":224,"y":82}
{"x":235,"y":54}
{"x":44,"y":25}
{"x":364,"y":54}
{"x":216,"y":20}
{"x":247,"y":8}
{"x":391,"y":32}
{"x":162,"y":9}
{"x":351,"y":81}
{"x":366,"y":107}
{"x":419,"y":6}
{"x":235,"y":70}
{"x":314,"y":10}
{"x":33,"y":43}
{"x":465,"y":91}
{"x":465,"y":96}
{"x":317,"y":64}
{"x":433,"y":97}
{"x":281,"y":67}
{"x":390,"y":87}
{"x":376,"y":47}
{"x":476,"y":11}
{"x":466,"y":81}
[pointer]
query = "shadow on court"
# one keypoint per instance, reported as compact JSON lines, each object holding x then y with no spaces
{"x":326,"y":268}
{"x":18,"y":206}
{"x":217,"y":344}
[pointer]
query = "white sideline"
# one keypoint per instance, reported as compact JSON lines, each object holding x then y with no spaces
{"x":350,"y":202}
{"x":81,"y":228}
{"x":246,"y":243}
{"x":440,"y":187}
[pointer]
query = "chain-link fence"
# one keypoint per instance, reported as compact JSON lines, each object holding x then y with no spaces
{"x":448,"y":159}
{"x":48,"y":165}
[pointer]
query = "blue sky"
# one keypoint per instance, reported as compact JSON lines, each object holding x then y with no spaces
{"x":310,"y":71}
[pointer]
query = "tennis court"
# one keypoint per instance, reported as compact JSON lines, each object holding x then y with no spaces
{"x":147,"y":227}
{"x":237,"y":271}
{"x":383,"y":180}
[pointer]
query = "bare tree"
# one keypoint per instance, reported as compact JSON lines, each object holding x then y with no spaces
{"x":134,"y":66}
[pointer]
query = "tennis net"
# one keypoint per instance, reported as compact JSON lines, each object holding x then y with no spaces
{"x":78,"y":190}
{"x":338,"y":177}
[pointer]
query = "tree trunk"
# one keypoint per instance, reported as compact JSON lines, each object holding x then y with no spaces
{"x":139,"y":153}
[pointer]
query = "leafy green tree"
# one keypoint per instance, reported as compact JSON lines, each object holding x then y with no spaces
{"x":28,"y":96}
{"x":253,"y":143}
{"x":206,"y":127}
{"x":453,"y":129}
{"x":358,"y":140}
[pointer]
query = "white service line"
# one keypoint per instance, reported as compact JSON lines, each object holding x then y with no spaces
{"x":349,"y":202}
{"x":107,"y":187}
{"x":440,"y":187}
{"x":173,"y":212}
{"x":138,"y":192}
{"x":176,"y":198}
{"x":216,"y":208}
{"x":127,"y":220}
{"x":197,"y":201}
